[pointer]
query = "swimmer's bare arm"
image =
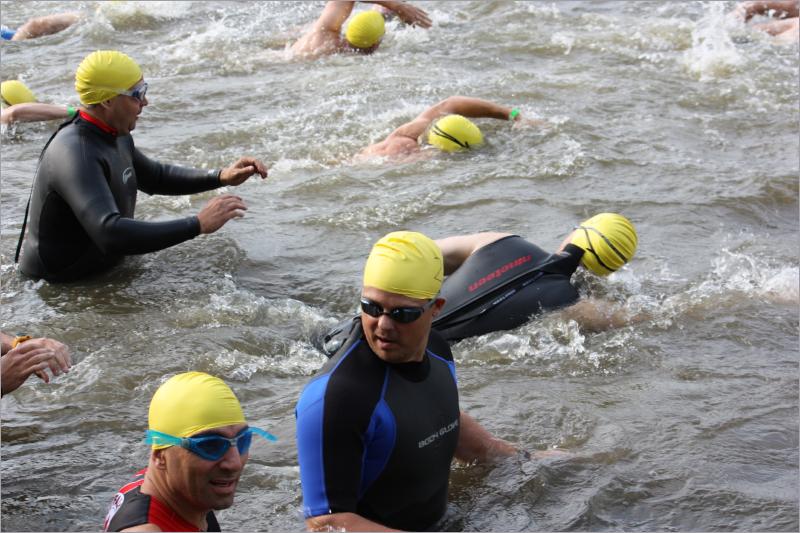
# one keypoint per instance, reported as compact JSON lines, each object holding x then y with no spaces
{"x":333,"y":16}
{"x":323,"y":36}
{"x":781,"y":8}
{"x":475,"y":443}
{"x":343,"y":522}
{"x":46,"y":25}
{"x":32,"y":112}
{"x":456,"y":249}
{"x":461,"y":105}
{"x":595,"y":315}
{"x":407,"y":13}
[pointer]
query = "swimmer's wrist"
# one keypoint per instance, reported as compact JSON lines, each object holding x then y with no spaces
{"x":513,"y":114}
{"x":71,"y":111}
{"x":19,"y":339}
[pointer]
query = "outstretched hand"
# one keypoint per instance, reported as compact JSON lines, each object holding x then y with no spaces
{"x":411,"y":14}
{"x":243,"y":168}
{"x":220,"y":210}
{"x":34,"y":356}
{"x":525,"y":122}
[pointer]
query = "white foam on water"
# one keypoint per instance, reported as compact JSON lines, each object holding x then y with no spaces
{"x":713,"y":53}
{"x":565,"y":40}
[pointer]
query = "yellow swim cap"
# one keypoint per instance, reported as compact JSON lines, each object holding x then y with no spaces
{"x":609,"y":241}
{"x":453,"y":133}
{"x":104,"y":74}
{"x":407,"y":263}
{"x":15,"y":92}
{"x":193,"y":402}
{"x":365,"y":29}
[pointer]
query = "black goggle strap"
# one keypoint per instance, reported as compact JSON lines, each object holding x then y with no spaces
{"x":441,"y":133}
{"x":608,"y":242}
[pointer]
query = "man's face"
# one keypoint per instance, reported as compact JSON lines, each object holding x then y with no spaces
{"x":125,"y":110}
{"x":393,"y":341}
{"x":205,"y":485}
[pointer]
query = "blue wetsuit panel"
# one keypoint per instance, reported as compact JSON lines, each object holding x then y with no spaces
{"x":377,"y":439}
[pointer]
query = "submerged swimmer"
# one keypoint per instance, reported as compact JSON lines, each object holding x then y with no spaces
{"x":449,"y":131}
{"x":200,"y":443}
{"x":498,"y":281}
{"x":364,"y":32}
{"x":20,"y":105}
{"x":786,"y":29}
{"x":89,"y":174}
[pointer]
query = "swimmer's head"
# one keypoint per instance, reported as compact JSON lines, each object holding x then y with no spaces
{"x":609,"y":241}
{"x":192,"y":402}
{"x":454,"y":133}
{"x":407,"y":263}
{"x":365,"y":30}
{"x":15,"y":92}
{"x":102,"y":75}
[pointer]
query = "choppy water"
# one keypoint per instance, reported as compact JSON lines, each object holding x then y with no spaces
{"x":667,"y":112}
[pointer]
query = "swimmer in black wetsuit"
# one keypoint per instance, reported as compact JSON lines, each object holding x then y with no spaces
{"x":379,"y":425}
{"x":498,"y":281}
{"x":84,"y":193}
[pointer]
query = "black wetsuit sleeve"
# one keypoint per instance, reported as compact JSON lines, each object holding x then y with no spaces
{"x":86,"y":191}
{"x":160,"y":178}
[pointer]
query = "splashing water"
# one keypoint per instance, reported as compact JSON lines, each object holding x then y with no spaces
{"x":713,"y":54}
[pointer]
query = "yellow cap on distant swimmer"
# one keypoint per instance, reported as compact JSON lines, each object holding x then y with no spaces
{"x":609,"y":241}
{"x":15,"y":92}
{"x":104,"y":74}
{"x":365,"y":29}
{"x":192,"y":402}
{"x":453,"y":133}
{"x":407,"y":263}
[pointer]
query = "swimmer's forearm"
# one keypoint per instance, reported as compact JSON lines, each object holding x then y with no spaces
{"x":32,"y":112}
{"x":475,"y":108}
{"x":7,"y":341}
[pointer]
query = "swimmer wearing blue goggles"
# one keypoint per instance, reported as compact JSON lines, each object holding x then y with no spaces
{"x":209,"y":447}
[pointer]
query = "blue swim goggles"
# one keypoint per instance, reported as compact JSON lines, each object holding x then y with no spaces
{"x":209,"y":447}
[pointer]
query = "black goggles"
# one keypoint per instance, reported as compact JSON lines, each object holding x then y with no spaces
{"x":404,"y":315}
{"x":610,"y":245}
{"x":441,"y":133}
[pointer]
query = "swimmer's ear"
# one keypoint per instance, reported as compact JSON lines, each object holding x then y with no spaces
{"x":159,"y":459}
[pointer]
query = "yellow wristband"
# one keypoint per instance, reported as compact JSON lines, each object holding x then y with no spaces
{"x":19,"y":340}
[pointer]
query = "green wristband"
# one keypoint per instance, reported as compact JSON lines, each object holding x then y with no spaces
{"x":513,"y":114}
{"x":71,"y":111}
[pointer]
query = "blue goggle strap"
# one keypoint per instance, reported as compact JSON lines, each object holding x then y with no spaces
{"x":162,"y":439}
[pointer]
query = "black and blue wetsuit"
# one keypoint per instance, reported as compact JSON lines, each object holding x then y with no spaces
{"x":502,"y":284}
{"x":84,"y":197}
{"x":377,"y":439}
